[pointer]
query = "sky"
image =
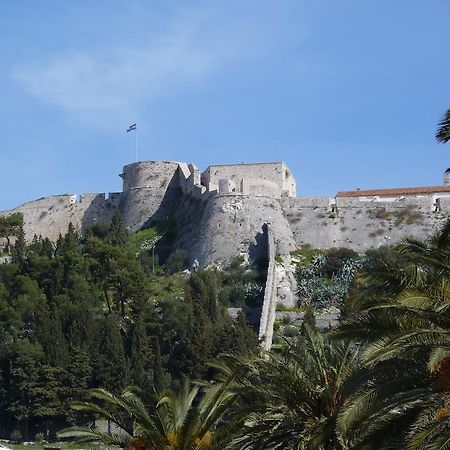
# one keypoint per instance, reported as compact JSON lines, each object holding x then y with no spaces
{"x":347,"y":92}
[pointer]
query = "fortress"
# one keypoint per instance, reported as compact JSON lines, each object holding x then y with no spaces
{"x":221,"y":212}
{"x":246,"y":209}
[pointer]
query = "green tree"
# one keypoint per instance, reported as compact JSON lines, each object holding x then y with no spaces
{"x":19,"y":248}
{"x":159,"y":375}
{"x":110,"y":367}
{"x":237,"y":337}
{"x":49,"y":397}
{"x":183,"y":421}
{"x":117,"y":234}
{"x":291,"y":401}
{"x":142,"y":358}
{"x":404,"y":331}
{"x":204,"y":287}
{"x":10,"y":226}
{"x":22,"y":374}
{"x":443,"y":131}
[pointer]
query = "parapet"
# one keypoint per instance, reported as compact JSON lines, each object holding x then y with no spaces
{"x":151,"y":174}
{"x":277,"y":173}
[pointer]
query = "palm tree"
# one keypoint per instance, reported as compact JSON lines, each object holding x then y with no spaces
{"x":403,"y":400}
{"x":180,"y":421}
{"x":290,"y":401}
{"x":443,"y":131}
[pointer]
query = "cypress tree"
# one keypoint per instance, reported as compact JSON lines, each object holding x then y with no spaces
{"x":159,"y":374}
{"x":111,"y":369}
{"x":141,"y":360}
{"x":18,"y":250}
{"x":117,"y":233}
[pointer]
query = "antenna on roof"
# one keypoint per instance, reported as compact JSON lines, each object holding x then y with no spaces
{"x":446,"y":173}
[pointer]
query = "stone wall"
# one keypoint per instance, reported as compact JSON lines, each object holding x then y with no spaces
{"x":50,"y":216}
{"x":259,"y":188}
{"x":151,"y":190}
{"x":325,"y":319}
{"x":224,"y":217}
{"x":270,"y":296}
{"x":277,"y":173}
{"x":225,"y":226}
{"x":349,"y":222}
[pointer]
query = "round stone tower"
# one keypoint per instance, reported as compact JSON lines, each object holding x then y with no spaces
{"x":151,"y":190}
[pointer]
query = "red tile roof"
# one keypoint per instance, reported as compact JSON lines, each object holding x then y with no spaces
{"x":395,"y":191}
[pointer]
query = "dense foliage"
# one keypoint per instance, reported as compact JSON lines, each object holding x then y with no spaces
{"x":381,"y":380}
{"x":99,"y":310}
{"x":324,"y":277}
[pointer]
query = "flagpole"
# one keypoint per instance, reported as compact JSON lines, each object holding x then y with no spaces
{"x":135,"y":145}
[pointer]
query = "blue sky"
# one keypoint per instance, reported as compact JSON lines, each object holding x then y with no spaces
{"x":347,"y":92}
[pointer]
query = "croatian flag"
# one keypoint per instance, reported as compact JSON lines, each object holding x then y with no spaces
{"x":131,"y":127}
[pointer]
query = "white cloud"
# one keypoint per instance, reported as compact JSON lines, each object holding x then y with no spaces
{"x":92,"y":83}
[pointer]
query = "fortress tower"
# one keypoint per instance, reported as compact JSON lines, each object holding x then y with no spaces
{"x":151,"y":190}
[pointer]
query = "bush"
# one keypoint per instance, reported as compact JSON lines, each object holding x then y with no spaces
{"x":39,"y":437}
{"x":336,"y":258}
{"x":16,"y":436}
{"x":177,"y":261}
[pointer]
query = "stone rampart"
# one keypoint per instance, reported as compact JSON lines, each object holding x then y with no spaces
{"x":270,"y":296}
{"x":223,"y":210}
{"x":360,"y":225}
{"x":50,"y":216}
{"x":225,"y":226}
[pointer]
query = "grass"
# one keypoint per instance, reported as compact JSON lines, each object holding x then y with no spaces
{"x":282,"y":308}
{"x":306,"y":255}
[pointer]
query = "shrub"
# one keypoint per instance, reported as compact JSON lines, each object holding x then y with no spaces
{"x":177,"y":261}
{"x":16,"y":436}
{"x":39,"y":437}
{"x":381,"y":213}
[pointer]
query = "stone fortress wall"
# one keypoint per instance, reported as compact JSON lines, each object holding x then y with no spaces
{"x":268,"y":312}
{"x":221,"y":212}
{"x":50,"y":216}
{"x":363,"y":224}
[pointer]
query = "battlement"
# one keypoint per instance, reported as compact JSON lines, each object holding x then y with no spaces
{"x":265,"y":179}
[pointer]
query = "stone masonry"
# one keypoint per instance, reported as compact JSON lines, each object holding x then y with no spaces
{"x":221,"y":212}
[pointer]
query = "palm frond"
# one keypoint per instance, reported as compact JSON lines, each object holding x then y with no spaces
{"x":443,"y":131}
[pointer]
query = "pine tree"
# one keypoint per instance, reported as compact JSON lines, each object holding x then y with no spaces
{"x":49,"y":397}
{"x":22,"y":373}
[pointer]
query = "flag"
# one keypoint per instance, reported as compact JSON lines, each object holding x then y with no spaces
{"x":131,"y":127}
